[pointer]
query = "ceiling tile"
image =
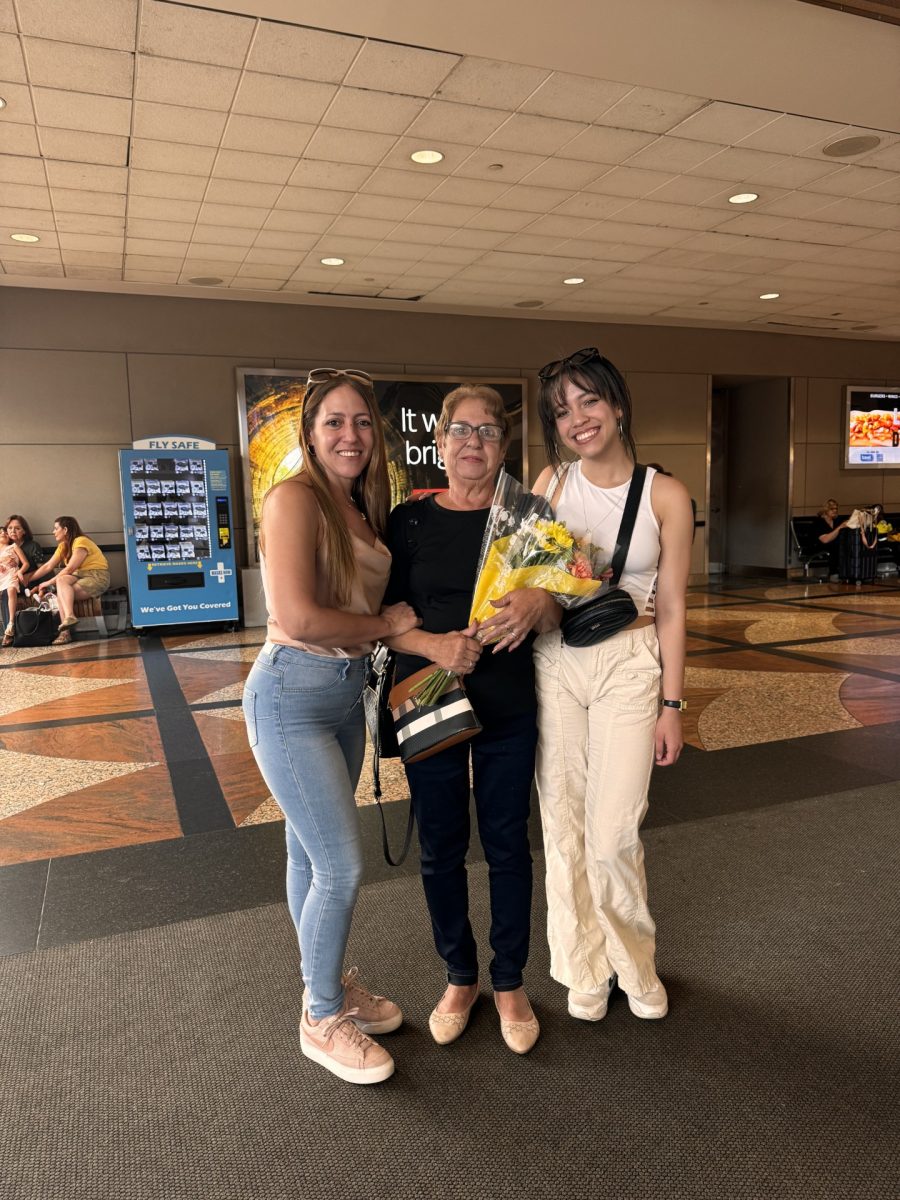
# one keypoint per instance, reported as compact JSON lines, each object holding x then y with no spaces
{"x":796,"y":204}
{"x":861,"y":212}
{"x":605,"y":144}
{"x":675,"y":216}
{"x":274,"y":257}
{"x":631,"y":181}
{"x":361,"y":227}
{"x":532,"y":243}
{"x":560,"y":227}
{"x":282,"y":240}
{"x":285,"y":99}
{"x":49,"y":240}
{"x":414,"y":232}
{"x":538,"y":135}
{"x":260,"y":168}
{"x":154,"y":208}
{"x":166,"y":185}
{"x":825,"y":233}
{"x":224,"y":235}
{"x":12,"y":64}
{"x":236,"y":191}
{"x":483,"y":164}
{"x":164,"y":231}
{"x":342,"y":176}
{"x":150,"y":262}
{"x":633,"y":233}
{"x":74,"y":146}
{"x":22,"y":170}
{"x":232,"y":214}
{"x":594,"y":206}
{"x":18,"y":104}
{"x":750,"y":224}
{"x":737,"y":165}
{"x":89,"y":223}
{"x":500,"y":219}
{"x":27,"y":219}
{"x":75,"y":68}
{"x":386,"y":208}
{"x":468,"y":191}
{"x":400,"y":251}
{"x":650,"y":110}
{"x":181,"y":32}
{"x":848,"y":181}
{"x":887,"y":159}
{"x":348,"y":145}
{"x":111,"y":243}
{"x":136,"y":276}
{"x":495,"y":84}
{"x":266,"y":135}
{"x":77,"y":110}
{"x":103,"y":203}
{"x":524,"y":198}
{"x":795,"y":172}
{"x":887,"y":192}
{"x":19,"y":139}
{"x":575,"y":97}
{"x":298,"y":222}
{"x":464,"y":124}
{"x":314,"y":200}
{"x":110,"y":23}
{"x":26,"y":195}
{"x":687,"y":189}
{"x":215,"y":252}
{"x":375,"y":112}
{"x":147,"y":155}
{"x":93,"y":272}
{"x":673,"y":154}
{"x":168,"y":81}
{"x":725,"y":123}
{"x":173,"y":123}
{"x":476,"y":239}
{"x":34,"y":267}
{"x":301,"y":53}
{"x":791,"y":135}
{"x":434,"y":213}
{"x":410,"y":70}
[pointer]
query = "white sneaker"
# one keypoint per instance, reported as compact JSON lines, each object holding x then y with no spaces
{"x":591,"y":1006}
{"x":652,"y":1005}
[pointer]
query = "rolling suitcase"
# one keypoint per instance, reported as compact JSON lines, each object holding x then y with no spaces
{"x":856,"y":562}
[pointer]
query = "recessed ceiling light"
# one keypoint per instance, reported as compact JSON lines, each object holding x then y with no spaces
{"x":2,"y":102}
{"x":426,"y":156}
{"x":851,"y":146}
{"x":24,"y":237}
{"x":331,"y":262}
{"x":770,"y":295}
{"x":206,"y":281}
{"x":743,"y":198}
{"x":573,"y":279}
{"x":495,"y":166}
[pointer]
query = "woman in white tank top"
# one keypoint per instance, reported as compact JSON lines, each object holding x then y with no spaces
{"x":607,"y":712}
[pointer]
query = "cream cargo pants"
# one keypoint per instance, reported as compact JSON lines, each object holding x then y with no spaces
{"x":597,"y":712}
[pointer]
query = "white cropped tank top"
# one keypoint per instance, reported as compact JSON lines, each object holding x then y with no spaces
{"x":596,"y":513}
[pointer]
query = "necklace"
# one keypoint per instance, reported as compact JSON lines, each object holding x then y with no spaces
{"x":357,"y":509}
{"x":616,"y":507}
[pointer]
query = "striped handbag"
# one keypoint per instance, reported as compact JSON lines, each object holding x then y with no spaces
{"x":423,"y":730}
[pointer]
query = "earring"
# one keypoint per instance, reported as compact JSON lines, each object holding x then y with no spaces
{"x":620,"y":428}
{"x":311,"y":450}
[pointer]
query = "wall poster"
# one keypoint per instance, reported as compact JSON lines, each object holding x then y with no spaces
{"x":269,"y":401}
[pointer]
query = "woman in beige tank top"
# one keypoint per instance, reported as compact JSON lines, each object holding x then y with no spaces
{"x":325,"y":569}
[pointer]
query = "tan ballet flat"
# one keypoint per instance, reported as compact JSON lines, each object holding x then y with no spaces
{"x":520,"y":1036}
{"x":447,"y":1027}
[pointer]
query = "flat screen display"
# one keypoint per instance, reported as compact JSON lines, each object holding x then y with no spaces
{"x":872,"y":427}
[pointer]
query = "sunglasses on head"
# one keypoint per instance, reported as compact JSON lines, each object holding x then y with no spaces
{"x":323,"y":374}
{"x":578,"y":359}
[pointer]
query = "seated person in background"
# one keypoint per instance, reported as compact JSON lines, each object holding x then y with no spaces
{"x":20,"y":534}
{"x":827,"y":529}
{"x":13,"y":565}
{"x":83,"y":573}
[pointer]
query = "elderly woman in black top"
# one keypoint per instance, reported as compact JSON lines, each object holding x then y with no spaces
{"x":435,"y":545}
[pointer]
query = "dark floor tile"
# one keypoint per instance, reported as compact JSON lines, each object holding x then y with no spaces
{"x":136,"y":887}
{"x":874,"y":747}
{"x":750,"y":777}
{"x":21,"y":900}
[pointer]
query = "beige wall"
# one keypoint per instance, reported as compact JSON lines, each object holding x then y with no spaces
{"x":83,"y":374}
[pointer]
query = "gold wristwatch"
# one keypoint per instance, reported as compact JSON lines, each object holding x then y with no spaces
{"x":681,"y":705}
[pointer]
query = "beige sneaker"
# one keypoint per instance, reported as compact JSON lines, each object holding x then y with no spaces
{"x":652,"y":1005}
{"x":337,"y":1045}
{"x":373,"y":1014}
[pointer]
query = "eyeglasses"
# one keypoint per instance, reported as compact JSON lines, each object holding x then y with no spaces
{"x":578,"y":359}
{"x":487,"y":433}
{"x":322,"y":374}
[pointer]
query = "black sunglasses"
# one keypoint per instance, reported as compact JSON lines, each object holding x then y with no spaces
{"x":578,"y":359}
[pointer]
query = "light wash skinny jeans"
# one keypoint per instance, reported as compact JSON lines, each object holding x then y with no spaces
{"x":306,"y":727}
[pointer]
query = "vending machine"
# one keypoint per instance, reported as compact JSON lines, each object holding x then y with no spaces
{"x":179,"y":548}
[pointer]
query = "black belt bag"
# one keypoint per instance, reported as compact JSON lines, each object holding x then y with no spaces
{"x":612,"y":610}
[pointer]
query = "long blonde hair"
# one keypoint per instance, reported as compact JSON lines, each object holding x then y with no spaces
{"x":370,"y":493}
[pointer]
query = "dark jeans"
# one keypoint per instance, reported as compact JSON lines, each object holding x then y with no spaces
{"x":503,"y":772}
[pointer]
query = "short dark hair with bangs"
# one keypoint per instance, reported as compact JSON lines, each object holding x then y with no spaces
{"x":597,"y":376}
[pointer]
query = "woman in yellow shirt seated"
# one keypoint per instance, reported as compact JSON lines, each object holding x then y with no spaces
{"x":81,"y":572}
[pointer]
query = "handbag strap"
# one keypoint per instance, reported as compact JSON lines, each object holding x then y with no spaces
{"x":626,"y":528}
{"x":407,"y":837}
{"x":380,"y":666}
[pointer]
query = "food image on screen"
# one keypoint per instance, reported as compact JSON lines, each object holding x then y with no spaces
{"x":873,"y":427}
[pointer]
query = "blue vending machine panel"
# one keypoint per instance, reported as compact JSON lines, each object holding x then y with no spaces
{"x":178,"y":536}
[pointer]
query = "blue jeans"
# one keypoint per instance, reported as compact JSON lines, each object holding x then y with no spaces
{"x":306,"y":728}
{"x":502,"y":775}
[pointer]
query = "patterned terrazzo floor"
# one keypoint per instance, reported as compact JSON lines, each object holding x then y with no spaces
{"x":92,"y":757}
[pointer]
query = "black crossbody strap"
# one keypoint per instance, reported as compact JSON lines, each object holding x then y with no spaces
{"x":626,"y":528}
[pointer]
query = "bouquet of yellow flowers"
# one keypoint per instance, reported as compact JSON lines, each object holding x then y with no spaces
{"x":524,"y":547}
